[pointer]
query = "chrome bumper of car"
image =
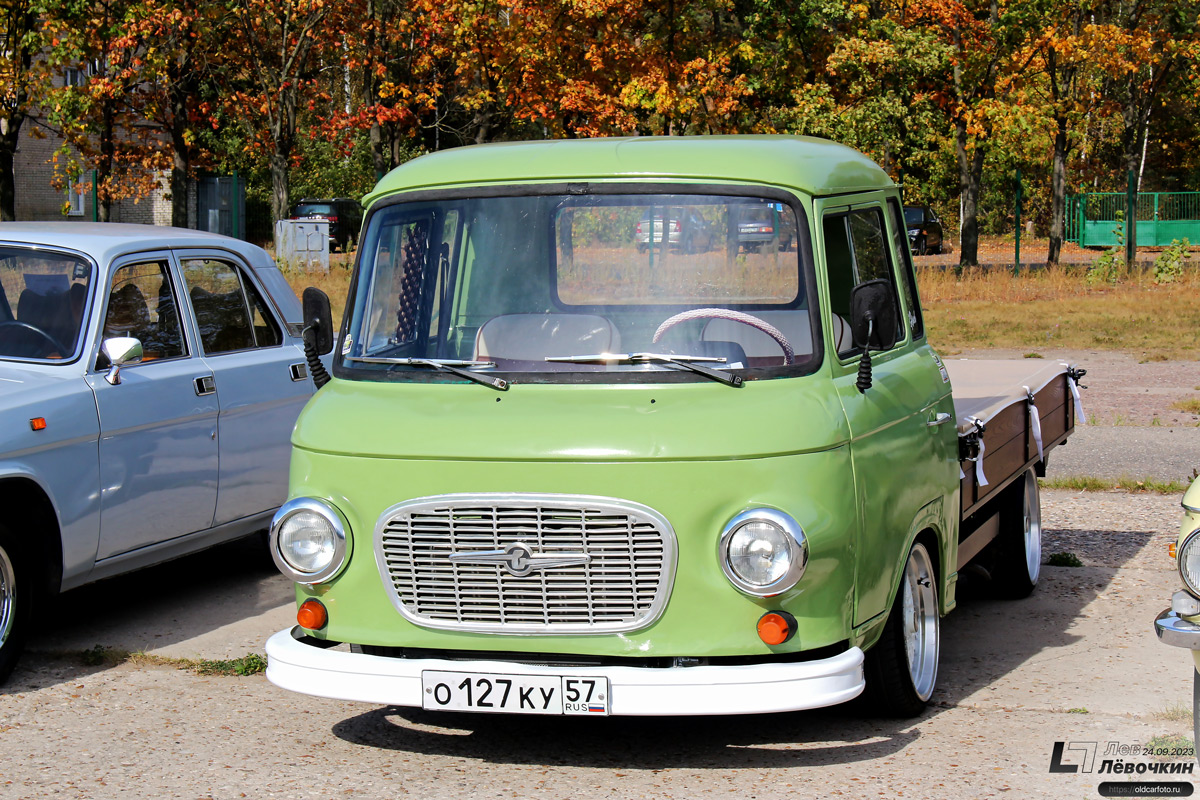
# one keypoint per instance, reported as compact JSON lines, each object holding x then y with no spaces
{"x":1174,"y":630}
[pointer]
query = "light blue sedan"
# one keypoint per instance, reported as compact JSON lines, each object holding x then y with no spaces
{"x":149,"y":382}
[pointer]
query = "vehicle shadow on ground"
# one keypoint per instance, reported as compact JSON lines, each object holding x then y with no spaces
{"x":150,"y":609}
{"x":984,"y":641}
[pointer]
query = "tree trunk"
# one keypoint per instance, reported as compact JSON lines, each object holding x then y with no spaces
{"x":280,"y":202}
{"x":1058,"y":190}
{"x":181,"y":167}
{"x":9,"y":137}
{"x":108,"y":149}
{"x":970,"y":174}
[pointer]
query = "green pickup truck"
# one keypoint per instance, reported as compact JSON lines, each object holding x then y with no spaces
{"x":566,"y":466}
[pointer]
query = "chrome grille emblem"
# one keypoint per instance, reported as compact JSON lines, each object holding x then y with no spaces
{"x":519,"y":560}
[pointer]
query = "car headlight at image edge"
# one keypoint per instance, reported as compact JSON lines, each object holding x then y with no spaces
{"x":763,"y":552}
{"x":1189,"y":562}
{"x":308,"y":540}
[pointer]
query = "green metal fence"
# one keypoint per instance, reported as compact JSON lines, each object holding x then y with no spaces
{"x":1097,"y":219}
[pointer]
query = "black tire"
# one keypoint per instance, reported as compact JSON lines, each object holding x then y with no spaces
{"x":900,"y":681}
{"x":919,"y":246}
{"x":16,"y":601}
{"x":1019,"y":543}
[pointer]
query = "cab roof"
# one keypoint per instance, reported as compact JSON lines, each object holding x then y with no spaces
{"x":812,"y":166}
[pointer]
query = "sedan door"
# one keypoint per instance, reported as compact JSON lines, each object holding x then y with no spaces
{"x":261,"y":381}
{"x":158,"y":440}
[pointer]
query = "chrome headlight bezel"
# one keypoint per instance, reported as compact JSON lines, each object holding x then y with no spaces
{"x":338,"y":528}
{"x":1190,"y":542}
{"x":797,"y":546}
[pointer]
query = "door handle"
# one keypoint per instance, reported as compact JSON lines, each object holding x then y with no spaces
{"x":298,"y":371}
{"x":205,"y":384}
{"x":940,"y":419}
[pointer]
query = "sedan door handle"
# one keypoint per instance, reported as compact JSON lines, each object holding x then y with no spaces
{"x":940,"y":419}
{"x":299,"y":371}
{"x":205,"y":384}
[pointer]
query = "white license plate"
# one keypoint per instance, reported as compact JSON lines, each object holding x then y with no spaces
{"x":514,"y":694}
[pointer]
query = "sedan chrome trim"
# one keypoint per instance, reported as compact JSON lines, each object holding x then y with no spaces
{"x":1176,"y":631}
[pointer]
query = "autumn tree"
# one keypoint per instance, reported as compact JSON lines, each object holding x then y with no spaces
{"x":20,"y":84}
{"x":270,"y":74}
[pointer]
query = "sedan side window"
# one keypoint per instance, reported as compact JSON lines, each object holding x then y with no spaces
{"x":230,"y":312}
{"x":142,"y":304}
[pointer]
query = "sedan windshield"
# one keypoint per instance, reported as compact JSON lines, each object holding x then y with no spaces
{"x":539,"y":287}
{"x":42,"y":300}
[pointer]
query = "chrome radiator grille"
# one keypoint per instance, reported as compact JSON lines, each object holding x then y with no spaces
{"x":518,"y":563}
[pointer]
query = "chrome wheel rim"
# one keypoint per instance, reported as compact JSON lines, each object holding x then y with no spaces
{"x":1032,"y":512}
{"x":8,"y":596}
{"x":918,"y":609}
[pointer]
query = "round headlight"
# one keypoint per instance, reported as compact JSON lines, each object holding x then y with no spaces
{"x":1189,"y":562}
{"x":308,"y":540}
{"x":763,"y":552}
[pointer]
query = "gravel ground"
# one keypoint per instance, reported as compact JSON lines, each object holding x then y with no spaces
{"x":1077,"y":662}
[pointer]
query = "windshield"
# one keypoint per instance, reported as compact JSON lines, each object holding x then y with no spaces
{"x":43,"y":296}
{"x":914,"y":216}
{"x":313,"y":210}
{"x":533,"y":285}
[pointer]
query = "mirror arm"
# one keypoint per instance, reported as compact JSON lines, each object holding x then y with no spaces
{"x":315,"y":368}
{"x":864,"y":365}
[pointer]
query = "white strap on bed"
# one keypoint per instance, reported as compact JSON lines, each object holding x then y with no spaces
{"x":980,"y":478}
{"x":1080,"y":417}
{"x":1035,"y":422}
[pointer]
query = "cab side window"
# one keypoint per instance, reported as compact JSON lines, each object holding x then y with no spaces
{"x":856,"y":251}
{"x":230,"y":312}
{"x":904,"y":260}
{"x":142,"y":304}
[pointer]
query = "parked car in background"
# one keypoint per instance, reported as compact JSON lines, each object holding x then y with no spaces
{"x":924,"y":230}
{"x":343,"y":215}
{"x":761,"y":225}
{"x":1179,"y":625}
{"x":149,"y":382}
{"x":686,"y":230}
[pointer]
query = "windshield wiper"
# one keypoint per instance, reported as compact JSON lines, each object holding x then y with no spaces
{"x":453,"y":366}
{"x":683,"y":362}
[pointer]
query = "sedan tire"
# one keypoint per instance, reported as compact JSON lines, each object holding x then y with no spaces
{"x":16,"y":594}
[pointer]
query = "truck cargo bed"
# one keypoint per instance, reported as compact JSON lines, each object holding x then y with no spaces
{"x":1002,"y":409}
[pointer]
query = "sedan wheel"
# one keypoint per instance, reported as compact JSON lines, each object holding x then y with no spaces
{"x":15,"y":606}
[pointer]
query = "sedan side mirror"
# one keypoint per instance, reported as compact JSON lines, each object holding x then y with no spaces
{"x":120,"y":350}
{"x":873,"y":317}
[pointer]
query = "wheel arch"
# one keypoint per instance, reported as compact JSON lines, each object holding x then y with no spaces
{"x":31,"y":510}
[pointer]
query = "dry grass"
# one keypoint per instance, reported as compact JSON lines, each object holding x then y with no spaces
{"x":1190,"y":406}
{"x":1059,"y":308}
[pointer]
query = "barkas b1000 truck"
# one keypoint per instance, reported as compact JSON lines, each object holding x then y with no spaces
{"x":583,"y":452}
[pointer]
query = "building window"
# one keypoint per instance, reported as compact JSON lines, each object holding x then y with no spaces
{"x":74,"y":77}
{"x":74,"y":200}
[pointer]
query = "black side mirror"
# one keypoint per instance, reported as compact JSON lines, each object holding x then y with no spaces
{"x":318,"y":333}
{"x":873,"y":318}
{"x":318,"y":319}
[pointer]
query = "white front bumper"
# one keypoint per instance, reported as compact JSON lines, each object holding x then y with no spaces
{"x":635,"y":691}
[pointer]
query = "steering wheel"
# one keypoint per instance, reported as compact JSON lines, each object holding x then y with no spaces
{"x":26,"y":336}
{"x":789,"y":354}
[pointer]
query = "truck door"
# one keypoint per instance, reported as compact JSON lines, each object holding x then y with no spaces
{"x":898,"y":440}
{"x":259,"y":380}
{"x":158,"y":448}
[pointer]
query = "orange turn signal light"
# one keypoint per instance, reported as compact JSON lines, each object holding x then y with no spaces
{"x":38,"y":423}
{"x":776,"y":627}
{"x":312,"y":615}
{"x":1171,"y":549}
